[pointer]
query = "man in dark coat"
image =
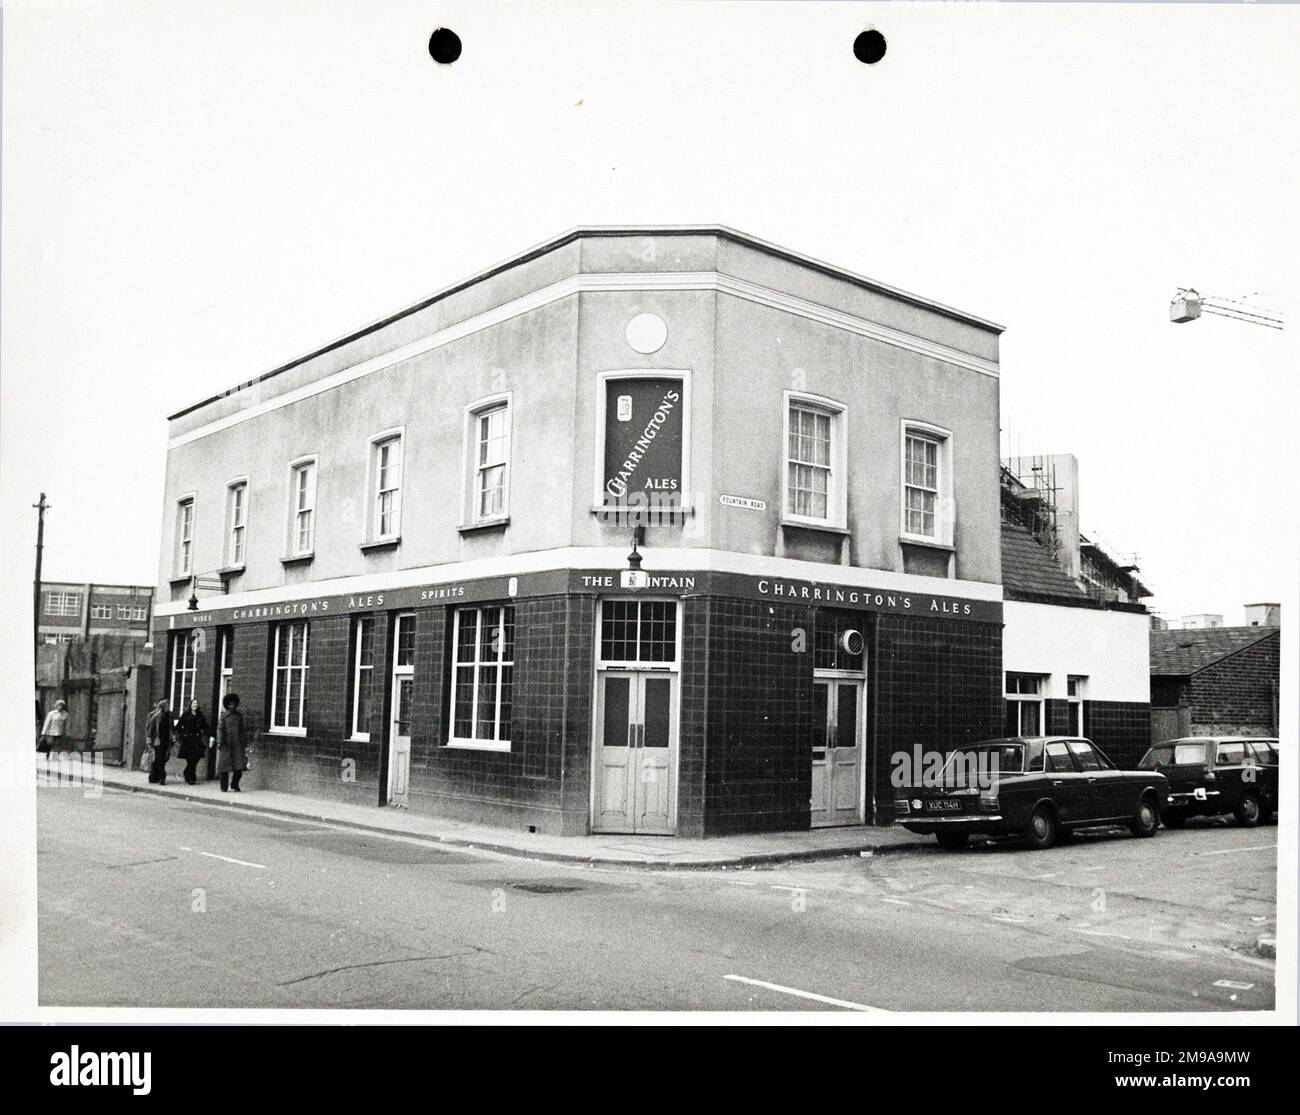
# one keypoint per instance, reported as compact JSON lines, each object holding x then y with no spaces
{"x":159,"y":734}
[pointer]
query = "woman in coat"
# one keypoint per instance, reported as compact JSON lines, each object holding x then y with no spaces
{"x":194,"y":731}
{"x":232,"y":744}
{"x":55,"y":728}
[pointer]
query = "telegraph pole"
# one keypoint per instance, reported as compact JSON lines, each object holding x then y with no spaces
{"x":41,"y":508}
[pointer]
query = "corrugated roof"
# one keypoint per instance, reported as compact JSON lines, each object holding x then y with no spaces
{"x":1179,"y":653}
{"x":1030,"y":572}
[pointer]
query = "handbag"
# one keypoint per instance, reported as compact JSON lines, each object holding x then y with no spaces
{"x":43,"y":744}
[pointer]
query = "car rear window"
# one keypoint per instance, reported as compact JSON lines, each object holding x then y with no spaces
{"x":1185,"y":753}
{"x":967,"y":764}
{"x":1156,"y":757}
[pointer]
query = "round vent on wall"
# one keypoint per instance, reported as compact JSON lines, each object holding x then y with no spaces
{"x":647,"y":333}
{"x":852,"y":642}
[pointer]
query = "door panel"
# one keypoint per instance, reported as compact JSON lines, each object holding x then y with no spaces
{"x":836,"y":788}
{"x":635,"y":754}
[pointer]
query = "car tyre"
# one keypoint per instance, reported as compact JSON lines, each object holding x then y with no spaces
{"x":1249,"y":812}
{"x":1146,"y":820}
{"x":952,"y":841}
{"x":1174,"y":818}
{"x":1042,"y":829}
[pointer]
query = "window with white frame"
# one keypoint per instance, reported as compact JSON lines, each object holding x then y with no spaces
{"x":123,"y":611}
{"x":638,"y":631}
{"x":236,"y":521}
{"x":926,"y":473}
{"x":1076,"y":687}
{"x":386,"y":470}
{"x":289,"y":683}
{"x":184,"y":659}
{"x":54,"y":638}
{"x":225,"y":664}
{"x":363,"y":666}
{"x":102,"y":611}
{"x":482,"y":677}
{"x":1024,"y":705}
{"x":63,"y":603}
{"x":185,"y":537}
{"x":139,"y":612}
{"x":490,"y":461}
{"x":814,"y":461}
{"x":302,"y":503}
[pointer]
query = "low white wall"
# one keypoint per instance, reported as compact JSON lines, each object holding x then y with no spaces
{"x":1111,"y":649}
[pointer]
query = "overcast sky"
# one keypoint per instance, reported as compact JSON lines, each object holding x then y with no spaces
{"x":195,"y":192}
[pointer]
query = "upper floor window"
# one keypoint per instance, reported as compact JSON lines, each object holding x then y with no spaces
{"x":104,"y":611}
{"x":927,"y":484}
{"x":302,"y":504}
{"x":63,"y":603}
{"x":139,"y":612}
{"x":185,"y":537}
{"x":815,"y":491}
{"x":489,"y":454}
{"x":237,"y":521}
{"x":123,"y":611}
{"x":386,"y":486}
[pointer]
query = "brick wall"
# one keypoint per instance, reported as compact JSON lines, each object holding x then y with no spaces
{"x":933,"y":682}
{"x":1237,"y":694}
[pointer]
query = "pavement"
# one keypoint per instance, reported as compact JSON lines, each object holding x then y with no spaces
{"x":163,"y":900}
{"x":653,"y":852}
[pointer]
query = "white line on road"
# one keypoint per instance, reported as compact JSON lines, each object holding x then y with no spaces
{"x":225,"y":859}
{"x":1233,"y":985}
{"x":1226,"y":851}
{"x":1098,"y":932}
{"x":896,"y":901}
{"x":808,"y":995}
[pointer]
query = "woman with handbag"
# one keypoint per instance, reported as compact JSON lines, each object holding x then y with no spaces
{"x":194,"y":732}
{"x":55,"y":728}
{"x":232,"y":744}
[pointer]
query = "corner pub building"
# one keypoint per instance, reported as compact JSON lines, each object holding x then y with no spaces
{"x":414,"y":552}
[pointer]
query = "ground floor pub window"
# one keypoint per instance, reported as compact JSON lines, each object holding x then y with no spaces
{"x":482,"y":677}
{"x":289,"y":684}
{"x":1024,"y":705}
{"x":1075,"y":691}
{"x":184,"y":657}
{"x":363,"y":665}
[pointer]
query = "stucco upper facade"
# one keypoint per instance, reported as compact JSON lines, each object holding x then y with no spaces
{"x":749,"y":327}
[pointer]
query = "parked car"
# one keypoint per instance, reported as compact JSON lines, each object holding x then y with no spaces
{"x":1035,"y":787}
{"x":1210,"y":776}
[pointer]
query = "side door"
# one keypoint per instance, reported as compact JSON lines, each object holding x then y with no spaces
{"x":1092,"y":787}
{"x":1230,"y":775}
{"x":1112,"y":787}
{"x":1064,"y":782}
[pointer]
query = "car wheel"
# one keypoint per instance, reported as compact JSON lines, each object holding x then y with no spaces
{"x":1174,"y":818}
{"x":1248,"y":811}
{"x":951,"y":841}
{"x":1147,"y":818}
{"x":1041,"y":831}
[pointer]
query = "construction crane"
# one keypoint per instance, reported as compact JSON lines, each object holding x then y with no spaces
{"x":1188,"y":305}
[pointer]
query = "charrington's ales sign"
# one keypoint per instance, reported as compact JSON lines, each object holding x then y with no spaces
{"x":643,"y":440}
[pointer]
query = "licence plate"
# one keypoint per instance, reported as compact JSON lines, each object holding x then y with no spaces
{"x":943,"y":805}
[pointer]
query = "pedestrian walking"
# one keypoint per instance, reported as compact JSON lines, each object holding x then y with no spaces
{"x":194,"y":732}
{"x":232,"y":744}
{"x":158,"y":732}
{"x":55,"y":728}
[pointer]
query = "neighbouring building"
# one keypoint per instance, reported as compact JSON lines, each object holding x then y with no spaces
{"x":1201,"y":620}
{"x":79,"y":609}
{"x":1075,"y":645}
{"x":1263,"y":615}
{"x":1215,"y":681}
{"x":645,"y":530}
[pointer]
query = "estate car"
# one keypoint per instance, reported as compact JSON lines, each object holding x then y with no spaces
{"x":1210,"y":776}
{"x":1034,"y":787}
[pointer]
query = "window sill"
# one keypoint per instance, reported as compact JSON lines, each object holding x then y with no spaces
{"x":928,"y":543}
{"x":363,"y":737}
{"x":809,"y":524}
{"x":298,"y":732}
{"x":230,"y":570}
{"x":298,"y":559}
{"x":180,"y":579}
{"x":478,"y":744}
{"x":378,"y":544}
{"x":652,"y":513}
{"x":499,"y":523}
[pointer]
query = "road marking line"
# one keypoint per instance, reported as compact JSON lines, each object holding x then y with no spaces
{"x":741,"y":883}
{"x":1009,"y":918}
{"x":225,"y":859}
{"x":1227,"y":851}
{"x":1233,"y":984}
{"x":896,"y":901}
{"x":1098,"y":933}
{"x":808,"y":995}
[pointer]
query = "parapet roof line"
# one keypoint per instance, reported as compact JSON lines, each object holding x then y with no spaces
{"x":611,"y":231}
